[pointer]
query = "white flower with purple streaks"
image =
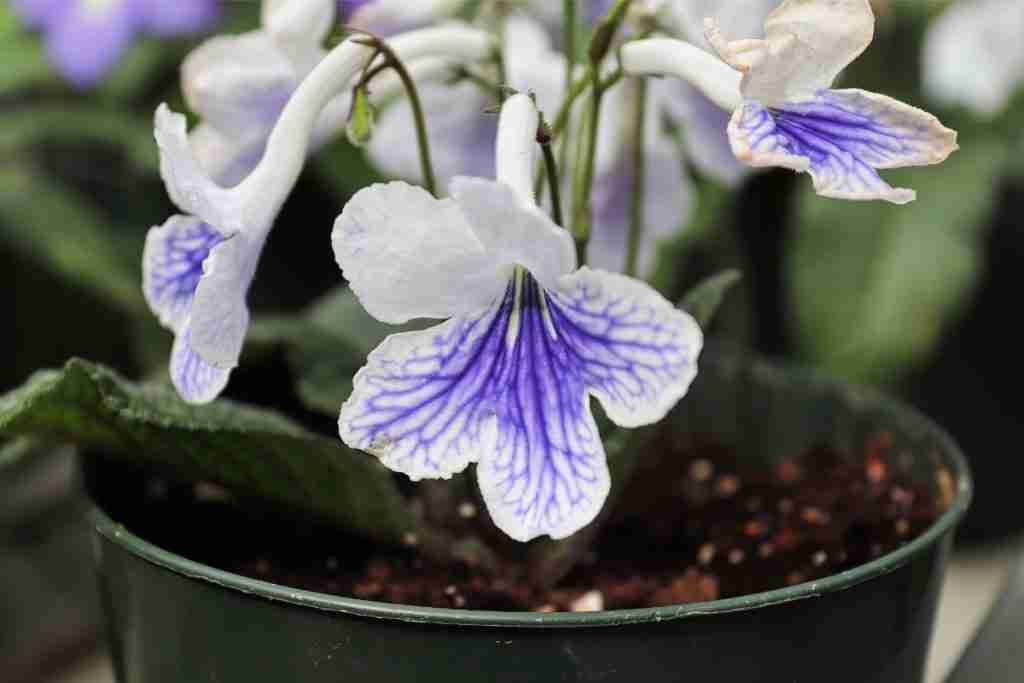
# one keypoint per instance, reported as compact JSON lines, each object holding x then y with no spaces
{"x":198,"y":266}
{"x":85,"y":39}
{"x":785,"y":112}
{"x":506,"y":381}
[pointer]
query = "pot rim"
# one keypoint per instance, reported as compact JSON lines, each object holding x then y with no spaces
{"x":951,"y":458}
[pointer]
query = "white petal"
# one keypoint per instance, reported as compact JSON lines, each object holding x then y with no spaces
{"x":238,"y":84}
{"x":196,"y":381}
{"x":807,"y":44}
{"x":736,"y":18}
{"x":172,"y":264}
{"x":974,"y":55}
{"x":422,"y":403}
{"x":639,"y":352}
{"x":188,"y":184}
{"x":841,"y":137}
{"x":227,"y":161}
{"x":516,"y":232}
{"x":532,"y":65}
{"x":220,"y":316}
{"x":299,"y":28}
{"x":408,"y":255}
{"x":387,"y":17}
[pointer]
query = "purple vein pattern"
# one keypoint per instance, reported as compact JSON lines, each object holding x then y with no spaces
{"x":173,"y":264}
{"x":172,"y":267}
{"x":840,"y":137}
{"x":510,"y":388}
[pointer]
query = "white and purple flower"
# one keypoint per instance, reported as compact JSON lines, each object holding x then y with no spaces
{"x":197,"y":267}
{"x":785,"y":111}
{"x":85,"y":39}
{"x":506,"y":380}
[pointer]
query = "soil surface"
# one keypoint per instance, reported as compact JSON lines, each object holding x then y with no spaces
{"x":709,"y":526}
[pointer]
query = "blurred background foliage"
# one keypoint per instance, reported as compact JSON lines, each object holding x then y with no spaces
{"x":919,"y":299}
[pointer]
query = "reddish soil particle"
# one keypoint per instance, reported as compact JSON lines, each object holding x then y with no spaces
{"x":708,"y":526}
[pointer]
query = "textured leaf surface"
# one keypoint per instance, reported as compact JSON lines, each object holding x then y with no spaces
{"x":249,"y":451}
{"x":873,"y":285}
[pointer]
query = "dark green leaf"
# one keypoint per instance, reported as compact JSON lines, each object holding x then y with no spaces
{"x":249,"y":451}
{"x":704,"y":300}
{"x":59,"y":229}
{"x":874,"y":284}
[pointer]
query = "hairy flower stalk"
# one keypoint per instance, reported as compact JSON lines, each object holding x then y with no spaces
{"x":197,"y":267}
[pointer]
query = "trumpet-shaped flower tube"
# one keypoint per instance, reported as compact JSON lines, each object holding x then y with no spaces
{"x":506,"y":380}
{"x":197,"y":267}
{"x":784,"y":110}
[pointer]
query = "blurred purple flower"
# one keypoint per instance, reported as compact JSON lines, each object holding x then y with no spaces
{"x":86,"y":38}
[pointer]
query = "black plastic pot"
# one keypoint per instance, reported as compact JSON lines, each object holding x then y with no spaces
{"x":174,"y":620}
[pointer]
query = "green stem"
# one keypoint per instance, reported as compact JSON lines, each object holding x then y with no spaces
{"x":636,"y":214}
{"x":392,"y":60}
{"x":582,"y":213}
{"x":577,"y":89}
{"x":551,"y":171}
{"x":569,"y":37}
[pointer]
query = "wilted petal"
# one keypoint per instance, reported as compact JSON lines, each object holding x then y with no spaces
{"x":172,"y":263}
{"x":508,"y":387}
{"x":408,"y":255}
{"x":807,"y":44}
{"x":196,"y":381}
{"x":974,"y":55}
{"x":840,"y":137}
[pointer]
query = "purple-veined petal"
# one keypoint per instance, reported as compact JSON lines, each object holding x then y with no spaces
{"x":195,"y":380}
{"x":172,"y":263}
{"x":178,"y":17}
{"x":841,"y":137}
{"x":408,"y":255}
{"x":238,"y":84}
{"x":85,"y":44}
{"x":807,"y":44}
{"x":515,"y":232}
{"x":219,"y":318}
{"x":508,"y":387}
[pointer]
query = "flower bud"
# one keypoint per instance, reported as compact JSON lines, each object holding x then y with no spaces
{"x":360,"y":119}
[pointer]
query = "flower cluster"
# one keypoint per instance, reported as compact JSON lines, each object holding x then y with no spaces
{"x":529,"y":334}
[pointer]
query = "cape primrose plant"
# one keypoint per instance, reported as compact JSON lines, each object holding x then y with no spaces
{"x":528,"y":333}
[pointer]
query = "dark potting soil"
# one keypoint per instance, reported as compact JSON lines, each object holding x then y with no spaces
{"x":706,"y":526}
